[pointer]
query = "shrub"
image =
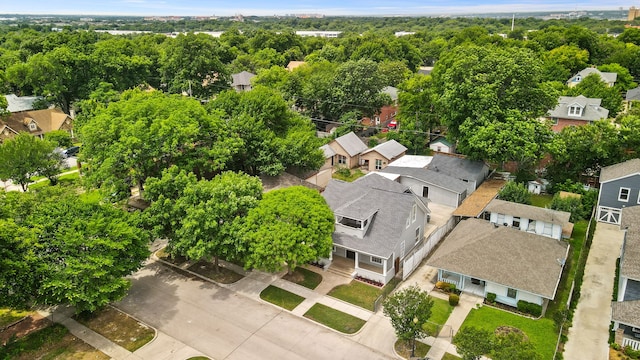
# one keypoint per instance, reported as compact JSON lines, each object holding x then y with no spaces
{"x":343,"y":171}
{"x":515,"y":192}
{"x":452,"y":288}
{"x":529,"y":308}
{"x":442,"y":285}
{"x":454,"y":299}
{"x":491,"y":297}
{"x":634,"y":354}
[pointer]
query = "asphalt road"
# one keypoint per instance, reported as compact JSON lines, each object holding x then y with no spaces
{"x":225,"y":325}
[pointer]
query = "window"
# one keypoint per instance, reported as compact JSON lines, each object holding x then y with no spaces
{"x":32,"y":126}
{"x":516,"y":222}
{"x":512,"y":293}
{"x":487,"y":215}
{"x":548,"y":229}
{"x":378,"y":164}
{"x":414,"y":213}
{"x":575,"y":110}
{"x":376,"y":260}
{"x":623,"y":195}
{"x":417,"y":234}
{"x":334,"y":248}
{"x":554,"y":120}
{"x":342,"y":159}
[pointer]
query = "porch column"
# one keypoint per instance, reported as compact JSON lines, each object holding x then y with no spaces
{"x":461,"y":282}
{"x":619,"y":335}
{"x":356,"y":260}
{"x":384,"y":267}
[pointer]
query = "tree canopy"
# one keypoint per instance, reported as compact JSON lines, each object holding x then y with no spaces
{"x":408,"y":310}
{"x":25,"y":156}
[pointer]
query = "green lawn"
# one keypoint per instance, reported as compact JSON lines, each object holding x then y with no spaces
{"x":334,"y":319}
{"x":403,"y":348}
{"x":361,"y":294}
{"x":448,"y":356}
{"x":439,"y":314}
{"x":9,"y":316}
{"x":281,"y":297}
{"x":304,"y":277}
{"x":541,"y":200}
{"x":62,"y":180}
{"x":540,"y":332}
{"x":354,"y":174}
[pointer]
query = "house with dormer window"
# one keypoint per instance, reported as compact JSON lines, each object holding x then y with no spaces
{"x":576,"y":111}
{"x":532,"y":219}
{"x":378,"y":222}
{"x":35,"y":122}
{"x":608,"y":77}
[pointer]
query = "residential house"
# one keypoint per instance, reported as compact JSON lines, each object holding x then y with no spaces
{"x":531,"y":219}
{"x":329,"y":156}
{"x":348,"y":148}
{"x":481,"y":258}
{"x":443,"y":145}
{"x":576,"y":111}
{"x":608,"y":77}
{"x":471,"y":172}
{"x":35,"y":122}
{"x":381,"y":155}
{"x":625,"y":312}
{"x":242,"y":81}
{"x":619,"y":188}
{"x":21,"y":103}
{"x":377,"y":223}
{"x":435,"y":186}
{"x":631,"y":96}
{"x":387,"y":113}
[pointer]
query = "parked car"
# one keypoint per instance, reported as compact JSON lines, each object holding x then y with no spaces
{"x":72,"y":151}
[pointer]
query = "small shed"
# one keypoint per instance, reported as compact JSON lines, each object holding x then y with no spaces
{"x":537,"y":186}
{"x":442,"y":145}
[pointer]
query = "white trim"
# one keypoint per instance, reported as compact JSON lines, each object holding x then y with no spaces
{"x":620,"y":194}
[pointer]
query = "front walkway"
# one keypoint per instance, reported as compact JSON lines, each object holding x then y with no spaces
{"x":589,"y":333}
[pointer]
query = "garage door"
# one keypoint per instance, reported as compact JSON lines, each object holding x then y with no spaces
{"x":609,"y":215}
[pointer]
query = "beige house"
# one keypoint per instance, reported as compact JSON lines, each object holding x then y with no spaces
{"x":347,"y":150}
{"x":35,"y":122}
{"x":380,"y":156}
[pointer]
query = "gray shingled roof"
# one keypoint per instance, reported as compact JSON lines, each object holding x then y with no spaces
{"x":436,"y":178}
{"x":630,"y":266}
{"x":457,"y":167}
{"x":608,"y":77}
{"x":633,"y":94}
{"x":371,"y":194}
{"x":351,"y":143}
{"x":328,"y":151}
{"x":243,"y":78}
{"x":391,"y":91}
{"x":626,"y":312}
{"x":620,"y":170}
{"x":388,"y":149}
{"x":502,"y":255}
{"x":20,"y":103}
{"x":528,"y":211}
{"x":592,"y":109}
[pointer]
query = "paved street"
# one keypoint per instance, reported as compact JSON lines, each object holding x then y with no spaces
{"x":589,"y":333}
{"x":225,"y":325}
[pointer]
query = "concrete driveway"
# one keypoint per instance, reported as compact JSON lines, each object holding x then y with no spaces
{"x":225,"y":325}
{"x":589,"y":333}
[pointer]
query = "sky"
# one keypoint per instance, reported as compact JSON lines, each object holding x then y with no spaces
{"x":282,"y":7}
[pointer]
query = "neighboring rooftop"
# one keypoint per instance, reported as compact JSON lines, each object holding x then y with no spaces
{"x":633,"y":94}
{"x":458,"y":167}
{"x":620,"y":170}
{"x":607,"y":77}
{"x":475,"y":203}
{"x":412,"y":161}
{"x":429,"y":176}
{"x":46,"y":120}
{"x":391,"y":91}
{"x":528,"y":211}
{"x":328,"y":151}
{"x":242,"y":78}
{"x":626,"y":312}
{"x":284,"y":180}
{"x":20,"y":103}
{"x":630,"y":265}
{"x":388,"y":149}
{"x":526,"y":261}
{"x":351,"y":143}
{"x":592,"y":109}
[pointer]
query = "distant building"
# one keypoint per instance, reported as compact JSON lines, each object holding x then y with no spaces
{"x":634,"y":13}
{"x":576,"y":111}
{"x":242,"y":81}
{"x":608,"y":77}
{"x":324,"y":34}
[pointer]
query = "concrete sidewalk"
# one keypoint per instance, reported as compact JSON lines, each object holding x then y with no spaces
{"x":589,"y":333}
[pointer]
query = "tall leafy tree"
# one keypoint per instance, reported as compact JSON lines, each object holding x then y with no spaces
{"x":416,"y":112}
{"x":408,"y":309}
{"x":472,"y":343}
{"x":592,"y":86}
{"x":25,"y":156}
{"x":289,"y":227}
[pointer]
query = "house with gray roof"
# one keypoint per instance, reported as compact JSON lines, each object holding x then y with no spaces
{"x":433,"y":185}
{"x":608,"y":77}
{"x":471,"y":172}
{"x":531,"y":219}
{"x":381,"y":155}
{"x":633,"y":95}
{"x":442,"y":145}
{"x":348,"y":148}
{"x":377,"y":223}
{"x":481,"y":258}
{"x":619,"y":188}
{"x":576,"y":111}
{"x":242,"y":81}
{"x":21,"y":103}
{"x":625,"y":312}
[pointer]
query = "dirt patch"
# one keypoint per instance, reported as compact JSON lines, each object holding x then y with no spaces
{"x":118,"y":327}
{"x":295,"y":277}
{"x":174,"y":259}
{"x":221,"y":274}
{"x":29,"y":324}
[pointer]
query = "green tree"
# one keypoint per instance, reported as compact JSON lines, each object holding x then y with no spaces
{"x":289,"y":227}
{"x":624,"y":80}
{"x":593,"y":86}
{"x":515,"y":192}
{"x":569,"y":204}
{"x":60,"y":138}
{"x":513,"y":346}
{"x":408,"y":309}
{"x":25,"y":156}
{"x":472,"y":343}
{"x":416,"y":112}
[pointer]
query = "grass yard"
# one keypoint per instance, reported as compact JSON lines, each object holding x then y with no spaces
{"x":118,"y":327}
{"x":67,"y":179}
{"x":353,"y":175}
{"x":208,"y":270}
{"x":9,"y":316}
{"x":541,"y":333}
{"x":439,"y":314}
{"x":304,"y":277}
{"x":52,"y":342}
{"x":361,"y":294}
{"x":334,"y":319}
{"x":403,"y":348}
{"x":281,"y":297}
{"x":448,"y":356}
{"x":541,"y":200}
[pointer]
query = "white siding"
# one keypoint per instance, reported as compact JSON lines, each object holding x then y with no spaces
{"x":436,"y":194}
{"x":501,"y":292}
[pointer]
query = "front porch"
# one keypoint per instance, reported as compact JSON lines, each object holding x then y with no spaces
{"x":363,"y":265}
{"x":628,"y":336}
{"x":463,"y":283}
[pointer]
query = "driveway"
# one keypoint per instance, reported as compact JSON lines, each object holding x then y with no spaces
{"x":589,"y":333}
{"x":225,"y":325}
